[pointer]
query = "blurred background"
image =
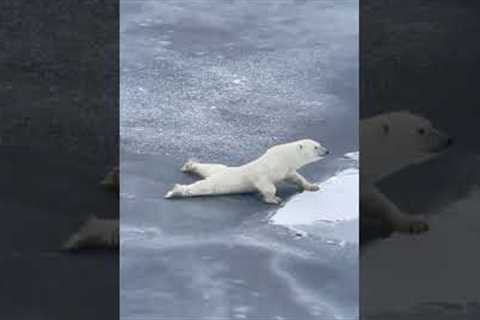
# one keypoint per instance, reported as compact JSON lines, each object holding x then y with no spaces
{"x":58,"y":138}
{"x":422,"y":56}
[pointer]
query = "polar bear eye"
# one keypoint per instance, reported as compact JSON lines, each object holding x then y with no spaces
{"x":421,"y":131}
{"x":316,"y":148}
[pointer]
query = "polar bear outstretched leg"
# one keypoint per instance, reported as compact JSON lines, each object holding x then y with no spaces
{"x":199,"y":188}
{"x":214,"y":185}
{"x":211,"y":186}
{"x":204,"y":170}
{"x":376,"y":205}
{"x":299,"y":180}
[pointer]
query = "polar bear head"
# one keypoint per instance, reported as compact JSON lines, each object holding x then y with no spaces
{"x":298,"y":153}
{"x":389,"y":142}
{"x":311,"y":150}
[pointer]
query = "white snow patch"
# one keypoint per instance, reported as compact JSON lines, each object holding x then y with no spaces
{"x":353,"y":155}
{"x":336,"y":201}
{"x":332,"y":212}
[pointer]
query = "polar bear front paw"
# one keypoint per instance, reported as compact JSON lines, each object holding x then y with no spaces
{"x":311,"y":187}
{"x":273,"y":200}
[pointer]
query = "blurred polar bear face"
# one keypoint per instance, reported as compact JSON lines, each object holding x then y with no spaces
{"x":392,"y":141}
{"x":413,"y":134}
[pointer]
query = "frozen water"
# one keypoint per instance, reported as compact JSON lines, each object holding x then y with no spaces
{"x":258,"y":63}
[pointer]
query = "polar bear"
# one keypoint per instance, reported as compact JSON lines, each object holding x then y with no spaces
{"x":388,"y":143}
{"x":279,"y":163}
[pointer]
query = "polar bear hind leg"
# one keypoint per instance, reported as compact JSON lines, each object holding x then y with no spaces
{"x":217,"y":184}
{"x":204,"y":170}
{"x":376,"y":205}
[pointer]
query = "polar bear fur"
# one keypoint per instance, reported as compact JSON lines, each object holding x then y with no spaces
{"x":279,"y":163}
{"x":388,"y":143}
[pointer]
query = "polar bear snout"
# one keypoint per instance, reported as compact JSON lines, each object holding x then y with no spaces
{"x":440,"y":142}
{"x":448,"y":142}
{"x":321,"y":150}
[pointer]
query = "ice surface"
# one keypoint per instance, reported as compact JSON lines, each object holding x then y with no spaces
{"x":218,"y":257}
{"x":205,"y":77}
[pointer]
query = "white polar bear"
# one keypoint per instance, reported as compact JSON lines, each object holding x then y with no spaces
{"x":390,"y":142}
{"x":279,"y":163}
